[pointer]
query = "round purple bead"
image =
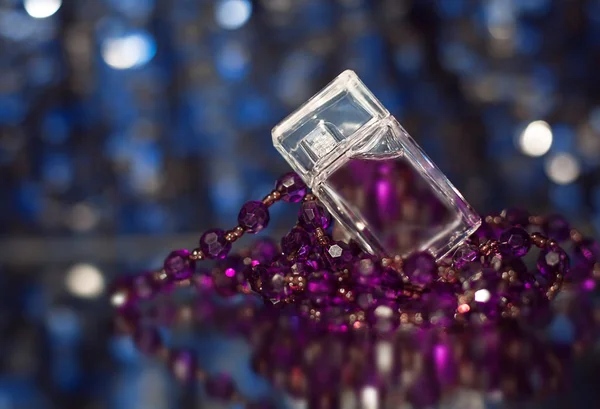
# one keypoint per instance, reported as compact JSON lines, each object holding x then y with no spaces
{"x":264,"y":250}
{"x":465,"y":254}
{"x":587,"y":252}
{"x":291,"y":187}
{"x":515,"y":242}
{"x":313,"y":215}
{"x":254,"y":216}
{"x":179,"y":266}
{"x":183,"y":364}
{"x":556,"y":227}
{"x":214,"y":245}
{"x":220,"y":386}
{"x":297,"y":241}
{"x":272,"y":283}
{"x":551,"y":262}
{"x":338,"y":255}
{"x":420,"y":268}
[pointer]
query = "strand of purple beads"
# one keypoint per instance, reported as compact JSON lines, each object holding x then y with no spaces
{"x":337,"y":287}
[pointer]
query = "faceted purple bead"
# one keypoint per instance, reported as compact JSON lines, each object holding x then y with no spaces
{"x":486,"y":287}
{"x":420,"y":268}
{"x":214,"y":245}
{"x":587,"y":252}
{"x":291,"y":187}
{"x":220,"y":386}
{"x":515,"y":242}
{"x":516,"y":217}
{"x":366,"y":272}
{"x":179,"y":266}
{"x":313,"y":215}
{"x":183,"y":364}
{"x":465,"y":254}
{"x":272,"y":283}
{"x":147,"y":340}
{"x":338,"y":255}
{"x":556,"y":227}
{"x":254,"y":216}
{"x":440,"y":303}
{"x":264,"y":250}
{"x":297,"y":241}
{"x":320,"y":287}
{"x":551,"y":262}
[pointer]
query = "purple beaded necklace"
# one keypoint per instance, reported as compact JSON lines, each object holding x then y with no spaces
{"x":406,"y":250}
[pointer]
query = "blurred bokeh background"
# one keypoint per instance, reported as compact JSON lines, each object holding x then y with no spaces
{"x":129,"y":126}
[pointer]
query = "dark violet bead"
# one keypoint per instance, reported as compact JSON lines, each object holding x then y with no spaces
{"x":587,"y":252}
{"x":515,"y":242}
{"x":220,"y":387}
{"x":291,"y":187}
{"x":214,"y":245}
{"x":355,"y":247}
{"x":313,"y":215}
{"x":297,"y":242}
{"x":264,"y":250}
{"x":338,"y":255}
{"x":178,"y":265}
{"x":486,"y":232}
{"x":183,"y":364}
{"x":464,"y":255}
{"x":272,"y":283}
{"x":551,"y":262}
{"x":147,"y":340}
{"x":254,"y":216}
{"x":556,"y":227}
{"x":420,"y":268}
{"x":516,"y":217}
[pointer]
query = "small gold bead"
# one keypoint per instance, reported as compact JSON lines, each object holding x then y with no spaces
{"x":230,"y":236}
{"x":276,"y":195}
{"x":197,"y":254}
{"x":238,"y":231}
{"x":539,"y":240}
{"x":309,"y":197}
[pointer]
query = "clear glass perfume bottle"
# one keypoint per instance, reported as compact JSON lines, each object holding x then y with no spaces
{"x":371,"y":175}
